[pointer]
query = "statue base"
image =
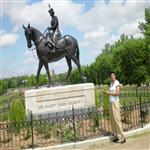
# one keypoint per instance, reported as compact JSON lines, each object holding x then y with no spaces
{"x":60,"y":98}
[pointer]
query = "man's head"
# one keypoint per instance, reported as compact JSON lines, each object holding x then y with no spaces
{"x":113,"y":76}
{"x":51,"y":11}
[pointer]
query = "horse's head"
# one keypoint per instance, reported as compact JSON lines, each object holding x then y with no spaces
{"x":28,"y":35}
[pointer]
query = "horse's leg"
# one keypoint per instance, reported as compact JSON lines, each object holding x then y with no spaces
{"x":38,"y":73}
{"x":76,"y":61}
{"x":48,"y":74}
{"x":69,"y":68}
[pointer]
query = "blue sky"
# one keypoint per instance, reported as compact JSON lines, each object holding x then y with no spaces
{"x":92,"y":23}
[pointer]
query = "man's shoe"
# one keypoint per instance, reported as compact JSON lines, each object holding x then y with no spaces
{"x":123,"y":141}
{"x":115,"y":140}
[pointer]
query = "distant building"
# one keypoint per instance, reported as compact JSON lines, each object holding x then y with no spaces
{"x":52,"y":73}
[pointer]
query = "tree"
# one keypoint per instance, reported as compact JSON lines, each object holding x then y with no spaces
{"x":132,"y":57}
{"x":145,"y":26}
{"x":145,"y":29}
{"x":103,"y":66}
{"x":3,"y":86}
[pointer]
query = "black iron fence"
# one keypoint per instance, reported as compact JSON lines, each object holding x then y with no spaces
{"x":75,"y":125}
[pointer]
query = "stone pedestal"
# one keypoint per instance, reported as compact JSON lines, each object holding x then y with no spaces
{"x":59,"y":98}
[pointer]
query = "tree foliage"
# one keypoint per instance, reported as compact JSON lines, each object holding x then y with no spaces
{"x":145,"y":26}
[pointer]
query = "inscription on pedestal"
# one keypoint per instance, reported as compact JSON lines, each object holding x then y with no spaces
{"x":60,"y":98}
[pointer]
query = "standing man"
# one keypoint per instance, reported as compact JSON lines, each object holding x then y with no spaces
{"x":54,"y":28}
{"x":114,"y":109}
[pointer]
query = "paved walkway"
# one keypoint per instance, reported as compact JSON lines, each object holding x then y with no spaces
{"x":139,"y":142}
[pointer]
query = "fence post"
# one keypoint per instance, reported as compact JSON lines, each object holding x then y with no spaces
{"x":137,"y":95}
{"x":141,"y":112}
{"x":32,"y":144}
{"x":74,"y":126}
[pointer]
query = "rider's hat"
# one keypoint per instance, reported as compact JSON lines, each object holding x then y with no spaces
{"x":51,"y":10}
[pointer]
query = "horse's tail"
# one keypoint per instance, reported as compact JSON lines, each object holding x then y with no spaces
{"x":77,"y":51}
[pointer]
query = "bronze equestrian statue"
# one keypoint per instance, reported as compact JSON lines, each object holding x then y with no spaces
{"x":60,"y":47}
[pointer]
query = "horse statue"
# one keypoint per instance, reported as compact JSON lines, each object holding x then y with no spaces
{"x":67,"y":46}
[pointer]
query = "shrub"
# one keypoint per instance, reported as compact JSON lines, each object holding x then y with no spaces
{"x":17,"y":111}
{"x":97,"y":98}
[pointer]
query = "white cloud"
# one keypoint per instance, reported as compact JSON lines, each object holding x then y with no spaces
{"x":29,"y":61}
{"x":94,"y":34}
{"x":131,"y":29}
{"x":7,"y":39}
{"x":113,"y":38}
{"x":30,"y":57}
{"x":105,"y":23}
{"x":98,"y":23}
{"x":37,"y":13}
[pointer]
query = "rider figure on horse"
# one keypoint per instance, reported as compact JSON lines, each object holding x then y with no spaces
{"x":53,"y":36}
